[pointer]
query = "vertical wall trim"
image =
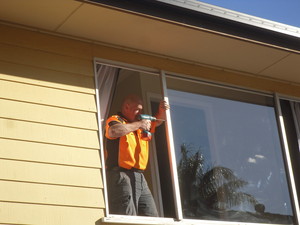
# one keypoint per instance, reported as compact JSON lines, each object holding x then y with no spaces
{"x":171,"y":150}
{"x":285,"y":146}
{"x":101,"y":139}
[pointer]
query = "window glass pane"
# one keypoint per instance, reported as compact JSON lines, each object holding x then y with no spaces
{"x":229,"y":158}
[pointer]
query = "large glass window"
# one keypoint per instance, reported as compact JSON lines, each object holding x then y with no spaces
{"x":229,"y":163}
{"x":228,"y":154}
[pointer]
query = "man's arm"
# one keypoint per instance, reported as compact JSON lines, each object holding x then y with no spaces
{"x":119,"y":129}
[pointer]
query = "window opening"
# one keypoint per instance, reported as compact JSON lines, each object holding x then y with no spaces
{"x":116,"y":84}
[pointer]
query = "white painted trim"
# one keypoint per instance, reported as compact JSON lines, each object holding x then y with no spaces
{"x":235,"y":16}
{"x":120,"y":219}
{"x":171,"y":149}
{"x":100,"y":135}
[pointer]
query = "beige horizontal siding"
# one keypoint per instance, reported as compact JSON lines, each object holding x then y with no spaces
{"x":11,"y":170}
{"x":47,"y":114}
{"x":44,"y":42}
{"x":50,"y":166}
{"x":47,"y":78}
{"x":51,"y":194}
{"x":46,"y":60}
{"x":19,"y":213}
{"x":26,"y":131}
{"x":49,"y":153}
{"x":46,"y":96}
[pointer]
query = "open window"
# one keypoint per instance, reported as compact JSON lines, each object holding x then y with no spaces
{"x":223,"y":151}
{"x":114,"y":83}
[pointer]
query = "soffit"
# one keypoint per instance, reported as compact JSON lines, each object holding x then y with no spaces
{"x":146,"y":34}
{"x":48,"y":15}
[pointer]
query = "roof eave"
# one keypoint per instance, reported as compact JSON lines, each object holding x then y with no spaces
{"x":213,"y":18}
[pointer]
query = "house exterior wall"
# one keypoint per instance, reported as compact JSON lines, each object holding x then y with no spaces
{"x":50,"y":171}
{"x":50,"y":167}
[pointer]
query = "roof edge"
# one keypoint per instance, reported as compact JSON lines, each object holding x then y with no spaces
{"x":235,"y":16}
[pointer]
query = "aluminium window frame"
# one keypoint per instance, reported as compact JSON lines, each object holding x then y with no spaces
{"x":286,"y":152}
{"x":123,"y":219}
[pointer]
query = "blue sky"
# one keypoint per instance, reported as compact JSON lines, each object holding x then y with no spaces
{"x":282,"y":11}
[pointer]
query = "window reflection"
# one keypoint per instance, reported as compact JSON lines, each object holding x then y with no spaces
{"x":229,"y":160}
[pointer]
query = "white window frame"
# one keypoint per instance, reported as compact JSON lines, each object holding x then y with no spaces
{"x":179,"y":216}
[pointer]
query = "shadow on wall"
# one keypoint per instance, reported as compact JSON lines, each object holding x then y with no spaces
{"x":29,"y":73}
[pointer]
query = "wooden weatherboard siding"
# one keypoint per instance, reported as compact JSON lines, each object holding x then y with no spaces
{"x":50,"y":170}
{"x":50,"y":167}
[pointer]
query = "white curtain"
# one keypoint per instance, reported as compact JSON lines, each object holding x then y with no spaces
{"x":107,"y":78}
{"x":296,"y":114}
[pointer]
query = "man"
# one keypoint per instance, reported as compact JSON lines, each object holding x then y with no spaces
{"x":127,"y":158}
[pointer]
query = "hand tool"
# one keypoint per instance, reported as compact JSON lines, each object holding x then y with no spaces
{"x":146,"y":135}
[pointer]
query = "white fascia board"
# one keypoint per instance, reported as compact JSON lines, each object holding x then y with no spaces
{"x":235,"y":16}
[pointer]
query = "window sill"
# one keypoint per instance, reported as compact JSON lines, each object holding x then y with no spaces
{"x":142,"y":220}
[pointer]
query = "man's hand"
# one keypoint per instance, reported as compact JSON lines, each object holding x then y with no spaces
{"x":163,"y":105}
{"x":145,"y":124}
{"x":162,"y":108}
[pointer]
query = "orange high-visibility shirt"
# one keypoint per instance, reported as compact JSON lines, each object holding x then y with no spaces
{"x":128,"y":151}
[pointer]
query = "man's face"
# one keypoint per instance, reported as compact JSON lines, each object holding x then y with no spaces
{"x":132,"y":110}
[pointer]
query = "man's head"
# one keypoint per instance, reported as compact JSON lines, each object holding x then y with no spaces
{"x":131,"y":107}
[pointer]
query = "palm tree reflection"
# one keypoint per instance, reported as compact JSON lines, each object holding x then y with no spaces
{"x":214,"y":192}
{"x":219,"y":187}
